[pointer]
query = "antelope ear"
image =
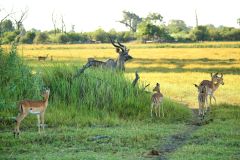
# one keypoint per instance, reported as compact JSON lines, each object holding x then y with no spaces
{"x":211,"y":75}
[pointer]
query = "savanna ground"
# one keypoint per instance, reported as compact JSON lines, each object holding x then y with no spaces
{"x":106,"y":136}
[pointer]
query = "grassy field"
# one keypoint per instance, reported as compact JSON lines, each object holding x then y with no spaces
{"x":218,"y":140}
{"x":89,"y":118}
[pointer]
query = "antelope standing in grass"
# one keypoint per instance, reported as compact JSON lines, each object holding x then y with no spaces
{"x":157,"y":99}
{"x":118,"y":64}
{"x":212,"y":85}
{"x":37,"y":107}
{"x":42,"y":57}
{"x":202,"y":99}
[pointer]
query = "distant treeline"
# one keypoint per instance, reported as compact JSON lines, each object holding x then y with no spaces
{"x":147,"y":30}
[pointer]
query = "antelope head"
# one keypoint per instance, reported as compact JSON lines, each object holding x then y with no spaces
{"x":46,"y":93}
{"x":123,"y":54}
{"x":218,"y":79}
{"x":156,"y":88}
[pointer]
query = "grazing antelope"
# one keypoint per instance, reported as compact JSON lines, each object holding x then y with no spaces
{"x":119,"y":63}
{"x":42,"y":58}
{"x":157,"y":99}
{"x":213,"y":85}
{"x":37,"y":107}
{"x":202,"y":99}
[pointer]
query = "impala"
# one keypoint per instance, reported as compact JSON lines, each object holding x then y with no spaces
{"x":37,"y":107}
{"x":157,"y":99}
{"x":212,"y":85}
{"x":118,"y":64}
{"x":202,"y":99}
{"x":42,"y":57}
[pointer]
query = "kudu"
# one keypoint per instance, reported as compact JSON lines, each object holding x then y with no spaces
{"x":118,"y":64}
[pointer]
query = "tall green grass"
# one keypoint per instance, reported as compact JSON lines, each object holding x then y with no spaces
{"x":16,"y":79}
{"x":104,"y":91}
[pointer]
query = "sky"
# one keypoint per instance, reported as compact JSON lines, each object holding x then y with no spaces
{"x":89,"y":15}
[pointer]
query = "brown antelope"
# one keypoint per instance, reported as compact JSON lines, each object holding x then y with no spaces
{"x":157,"y":99}
{"x":212,"y":85}
{"x":42,"y":57}
{"x":37,"y":107}
{"x":118,"y":64}
{"x":202,"y":99}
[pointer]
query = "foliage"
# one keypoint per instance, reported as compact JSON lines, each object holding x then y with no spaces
{"x":200,"y":33}
{"x":149,"y":28}
{"x":100,"y":35}
{"x":41,"y":38}
{"x":154,"y":18}
{"x":6,"y":26}
{"x":28,"y":37}
{"x":177,"y":26}
{"x":9,"y":37}
{"x":131,"y":20}
{"x":62,"y":38}
{"x":17,"y":80}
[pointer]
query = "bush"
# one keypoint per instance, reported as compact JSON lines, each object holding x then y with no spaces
{"x":41,"y":38}
{"x":28,"y":37}
{"x":9,"y":37}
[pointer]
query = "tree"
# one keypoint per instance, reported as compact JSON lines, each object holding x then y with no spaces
{"x":28,"y":37}
{"x":6,"y":26}
{"x":131,"y":20}
{"x":19,"y":20}
{"x":3,"y":17}
{"x":214,"y":33}
{"x":63,"y":25}
{"x":238,"y":21}
{"x":41,"y":38}
{"x":100,"y":35}
{"x":62,"y":38}
{"x":148,"y":31}
{"x":9,"y":37}
{"x":54,"y":21}
{"x":176,"y":26}
{"x":200,"y":33}
{"x":154,"y":18}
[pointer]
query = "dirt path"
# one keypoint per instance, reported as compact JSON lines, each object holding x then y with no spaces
{"x":180,"y":139}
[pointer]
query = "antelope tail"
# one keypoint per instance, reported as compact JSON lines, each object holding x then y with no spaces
{"x":20,"y":108}
{"x":196,"y":85}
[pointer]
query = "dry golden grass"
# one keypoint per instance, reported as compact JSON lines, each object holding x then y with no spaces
{"x":175,"y":68}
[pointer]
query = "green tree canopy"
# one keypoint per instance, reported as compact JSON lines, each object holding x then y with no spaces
{"x":28,"y":37}
{"x":154,"y":18}
{"x":176,"y":26}
{"x":200,"y":33}
{"x":131,"y":20}
{"x":6,"y":26}
{"x":41,"y":38}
